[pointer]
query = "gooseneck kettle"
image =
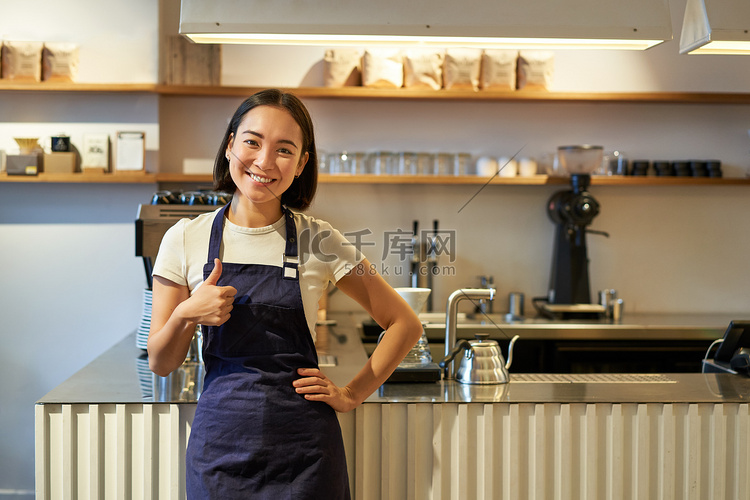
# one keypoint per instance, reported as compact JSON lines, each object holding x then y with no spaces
{"x":482,"y":362}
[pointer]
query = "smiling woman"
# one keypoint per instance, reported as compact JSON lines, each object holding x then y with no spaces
{"x":264,"y":160}
{"x":246,"y":276}
{"x":294,"y":115}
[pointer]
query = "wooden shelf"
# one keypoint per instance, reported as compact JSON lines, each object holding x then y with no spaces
{"x":407,"y":94}
{"x":116,"y":178}
{"x":77,"y":87}
{"x":387,"y":179}
{"x":467,"y":95}
{"x":621,"y":180}
{"x":536,"y":180}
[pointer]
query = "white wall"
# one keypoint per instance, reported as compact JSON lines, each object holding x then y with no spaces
{"x":73,"y":285}
{"x":71,"y":281}
{"x":117,"y":40}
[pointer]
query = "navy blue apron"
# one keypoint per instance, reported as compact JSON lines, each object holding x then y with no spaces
{"x":253,"y":436}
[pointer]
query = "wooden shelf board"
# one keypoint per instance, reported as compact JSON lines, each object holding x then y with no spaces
{"x":76,"y":87}
{"x":467,"y":95}
{"x":115,"y":178}
{"x":536,"y":180}
{"x":401,"y":93}
{"x":436,"y":179}
{"x":622,"y":180}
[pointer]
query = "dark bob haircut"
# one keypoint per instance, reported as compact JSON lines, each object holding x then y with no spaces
{"x":302,"y":191}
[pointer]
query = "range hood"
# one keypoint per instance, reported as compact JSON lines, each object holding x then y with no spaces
{"x":560,"y":24}
{"x":716,"y":27}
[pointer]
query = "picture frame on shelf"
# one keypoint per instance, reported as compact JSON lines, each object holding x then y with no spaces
{"x":95,"y":155}
{"x":130,"y":152}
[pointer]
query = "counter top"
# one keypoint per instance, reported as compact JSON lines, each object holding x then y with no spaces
{"x":632,"y":327}
{"x":121,"y":375}
{"x":578,"y":388}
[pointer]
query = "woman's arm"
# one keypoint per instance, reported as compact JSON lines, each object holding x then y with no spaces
{"x":175,"y":314}
{"x":403,"y":330}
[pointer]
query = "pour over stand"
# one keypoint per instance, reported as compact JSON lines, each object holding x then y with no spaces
{"x":417,"y":366}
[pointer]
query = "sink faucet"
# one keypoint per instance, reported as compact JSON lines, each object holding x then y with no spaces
{"x":451,"y":317}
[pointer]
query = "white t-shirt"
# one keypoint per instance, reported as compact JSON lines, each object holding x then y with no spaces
{"x":324,"y":254}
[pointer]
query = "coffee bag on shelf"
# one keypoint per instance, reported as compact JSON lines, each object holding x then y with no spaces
{"x":60,"y":62}
{"x":499,"y":69}
{"x":342,"y":67}
{"x":382,"y":68}
{"x":535,"y":69}
{"x":423,"y":69}
{"x":22,"y":61}
{"x":461,"y":68}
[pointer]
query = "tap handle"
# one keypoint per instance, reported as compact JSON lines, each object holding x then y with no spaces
{"x":416,"y":248}
{"x":486,"y":281}
{"x":432,"y":246}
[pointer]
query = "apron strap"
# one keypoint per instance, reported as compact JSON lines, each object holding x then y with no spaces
{"x":217,"y":229}
{"x":290,"y":263}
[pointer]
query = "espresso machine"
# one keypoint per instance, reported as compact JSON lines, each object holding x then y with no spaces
{"x":572,"y":211}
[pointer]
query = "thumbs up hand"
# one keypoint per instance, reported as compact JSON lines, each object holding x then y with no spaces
{"x":213,"y":278}
{"x":211,"y":304}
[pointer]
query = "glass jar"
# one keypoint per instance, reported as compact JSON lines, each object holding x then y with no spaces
{"x":382,"y":163}
{"x":407,"y":163}
{"x":424,"y":164}
{"x":443,"y":164}
{"x":353,"y":163}
{"x":462,"y":164}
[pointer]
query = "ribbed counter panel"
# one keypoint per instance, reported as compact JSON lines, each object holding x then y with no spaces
{"x":430,"y":451}
{"x":552,"y":451}
{"x":111,"y":451}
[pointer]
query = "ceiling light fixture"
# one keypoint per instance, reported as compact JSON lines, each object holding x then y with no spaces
{"x":529,"y":24}
{"x":716,"y":27}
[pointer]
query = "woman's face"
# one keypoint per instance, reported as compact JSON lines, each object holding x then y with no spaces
{"x":266,"y":154}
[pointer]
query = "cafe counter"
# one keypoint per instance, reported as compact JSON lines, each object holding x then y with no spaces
{"x":115,"y":430}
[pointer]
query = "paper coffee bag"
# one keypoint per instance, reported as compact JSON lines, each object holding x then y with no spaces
{"x":22,"y":61}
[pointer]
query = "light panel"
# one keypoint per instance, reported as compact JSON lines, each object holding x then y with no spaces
{"x":372,"y":40}
{"x":531,"y":24}
{"x":716,"y":27}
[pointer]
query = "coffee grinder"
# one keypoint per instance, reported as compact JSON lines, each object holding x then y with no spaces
{"x":569,"y":295}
